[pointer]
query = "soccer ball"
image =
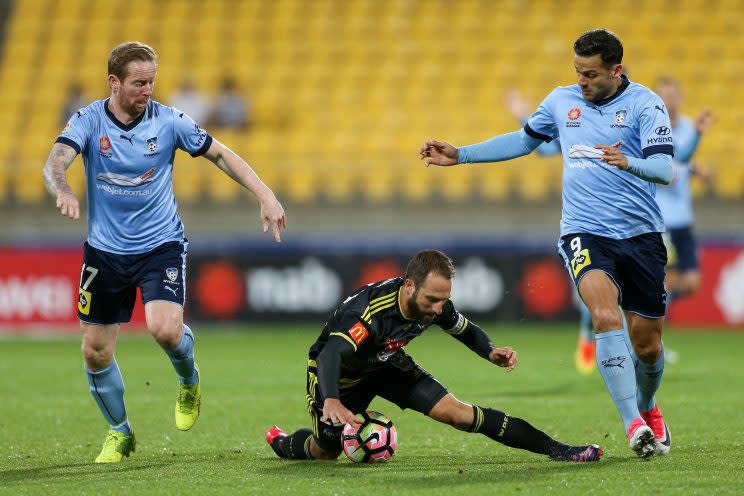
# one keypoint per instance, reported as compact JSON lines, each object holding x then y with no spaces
{"x":375,"y":441}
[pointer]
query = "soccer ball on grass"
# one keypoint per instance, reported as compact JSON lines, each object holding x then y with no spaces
{"x":374,"y":441}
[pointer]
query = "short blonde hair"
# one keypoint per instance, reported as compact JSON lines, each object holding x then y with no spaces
{"x":122,"y":55}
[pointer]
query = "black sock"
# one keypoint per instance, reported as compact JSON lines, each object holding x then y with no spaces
{"x":512,"y":431}
{"x":296,"y":446}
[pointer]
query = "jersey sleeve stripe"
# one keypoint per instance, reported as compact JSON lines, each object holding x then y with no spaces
{"x":455,"y":331}
{"x":69,"y":142}
{"x":377,"y":302}
{"x":343,"y":335}
{"x":201,"y":151}
{"x":380,"y":309}
{"x":536,"y":135}
{"x":381,"y":298}
{"x":656,"y":149}
{"x":380,"y":302}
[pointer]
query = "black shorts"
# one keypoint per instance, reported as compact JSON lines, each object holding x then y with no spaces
{"x":399,"y":381}
{"x":683,"y":249}
{"x":636,"y":265}
{"x":109,"y":281}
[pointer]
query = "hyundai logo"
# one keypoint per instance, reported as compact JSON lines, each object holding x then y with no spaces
{"x":662,"y":130}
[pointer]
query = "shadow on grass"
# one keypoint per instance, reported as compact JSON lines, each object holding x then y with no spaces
{"x":67,"y":470}
{"x":90,"y":470}
{"x":437,"y":472}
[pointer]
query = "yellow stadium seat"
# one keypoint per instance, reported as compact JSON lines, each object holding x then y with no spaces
{"x":221,"y":188}
{"x":334,"y":85}
{"x":417,"y":184}
{"x":26,"y":181}
{"x":340,"y":184}
{"x":301,"y":183}
{"x":533,"y":175}
{"x":728,"y":182}
{"x":494,"y":183}
{"x":378,"y":181}
{"x":4,"y":179}
{"x":20,"y":51}
{"x":188,"y":178}
{"x":456,"y":184}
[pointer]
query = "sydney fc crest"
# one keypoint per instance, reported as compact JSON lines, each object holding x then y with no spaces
{"x":620,"y":116}
{"x":152,"y":144}
{"x":172,"y":273}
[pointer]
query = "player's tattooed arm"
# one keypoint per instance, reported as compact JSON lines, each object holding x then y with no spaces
{"x":55,"y":178}
{"x":56,"y":167}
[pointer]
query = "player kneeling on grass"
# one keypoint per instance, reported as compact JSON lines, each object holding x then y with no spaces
{"x":359,"y":355}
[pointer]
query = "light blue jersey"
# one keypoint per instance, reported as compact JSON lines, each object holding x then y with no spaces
{"x":598,"y":198}
{"x":129,"y":173}
{"x":675,"y":200}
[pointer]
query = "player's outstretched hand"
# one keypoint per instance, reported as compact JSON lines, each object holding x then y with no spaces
{"x":272,"y":214}
{"x":435,"y":152}
{"x":68,"y":205}
{"x":334,"y":412}
{"x":517,"y":105}
{"x":701,"y":173}
{"x":704,"y":120}
{"x":613,"y":156}
{"x":504,"y":357}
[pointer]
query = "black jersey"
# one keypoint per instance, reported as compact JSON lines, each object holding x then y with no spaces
{"x":369,"y":327}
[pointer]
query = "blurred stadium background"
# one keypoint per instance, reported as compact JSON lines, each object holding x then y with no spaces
{"x":341,"y":94}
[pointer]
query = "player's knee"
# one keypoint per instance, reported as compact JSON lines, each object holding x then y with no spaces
{"x":97,"y":356}
{"x":648,"y":352}
{"x":166,"y":332}
{"x":605,"y":319}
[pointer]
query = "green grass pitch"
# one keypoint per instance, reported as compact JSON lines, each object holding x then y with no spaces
{"x":50,"y":428}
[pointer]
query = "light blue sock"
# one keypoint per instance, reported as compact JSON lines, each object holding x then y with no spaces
{"x":585,"y":323}
{"x":107,"y":388}
{"x":182,"y":358}
{"x":628,"y":342}
{"x":616,"y":367}
{"x":648,"y":377}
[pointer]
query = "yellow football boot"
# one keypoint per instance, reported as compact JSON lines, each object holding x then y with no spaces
{"x":188,"y":405}
{"x":116,"y":446}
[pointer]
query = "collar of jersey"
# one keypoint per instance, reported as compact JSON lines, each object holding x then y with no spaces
{"x":623,"y":86}
{"x":119,"y":124}
{"x":400,"y":307}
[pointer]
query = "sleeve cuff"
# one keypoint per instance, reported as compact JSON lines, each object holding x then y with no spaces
{"x":69,"y":142}
{"x":531,"y":132}
{"x":201,"y":151}
{"x":656,"y":149}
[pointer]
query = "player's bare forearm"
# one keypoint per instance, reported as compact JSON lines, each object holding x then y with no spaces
{"x":239,"y":171}
{"x":55,"y":169}
{"x":55,"y":179}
